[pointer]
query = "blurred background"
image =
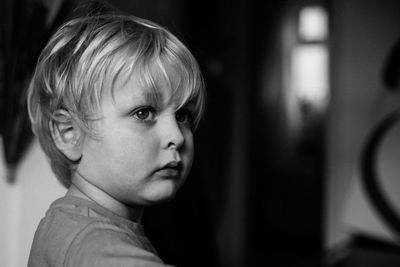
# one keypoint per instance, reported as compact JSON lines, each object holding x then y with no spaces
{"x":283,"y":173}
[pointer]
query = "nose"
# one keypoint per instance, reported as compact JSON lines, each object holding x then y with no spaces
{"x":172,"y":136}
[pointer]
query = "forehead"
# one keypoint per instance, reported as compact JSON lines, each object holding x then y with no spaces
{"x":159,"y":82}
{"x":155,"y":85}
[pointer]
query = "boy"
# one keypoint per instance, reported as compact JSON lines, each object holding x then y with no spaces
{"x":113,"y":101}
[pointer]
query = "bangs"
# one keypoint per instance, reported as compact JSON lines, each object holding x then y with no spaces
{"x":166,"y":78}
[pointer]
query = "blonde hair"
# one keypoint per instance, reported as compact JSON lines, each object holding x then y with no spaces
{"x":87,"y":55}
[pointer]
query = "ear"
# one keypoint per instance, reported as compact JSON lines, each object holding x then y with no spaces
{"x":66,"y":135}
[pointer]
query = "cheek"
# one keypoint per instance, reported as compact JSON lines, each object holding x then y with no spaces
{"x":137,"y":150}
{"x":189,"y":139}
{"x":188,"y":149}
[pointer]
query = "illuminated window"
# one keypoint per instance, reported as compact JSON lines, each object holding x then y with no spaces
{"x":309,"y":58}
{"x":306,"y":66}
{"x":310,"y":74}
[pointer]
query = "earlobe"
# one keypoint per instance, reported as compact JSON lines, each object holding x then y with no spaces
{"x":66,"y":135}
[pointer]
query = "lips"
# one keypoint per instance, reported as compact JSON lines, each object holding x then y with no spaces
{"x":170,"y":170}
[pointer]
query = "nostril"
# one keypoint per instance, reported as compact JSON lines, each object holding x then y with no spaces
{"x":171,"y":145}
{"x":177,"y":143}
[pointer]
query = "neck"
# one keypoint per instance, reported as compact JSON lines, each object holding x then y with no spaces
{"x":83,"y":188}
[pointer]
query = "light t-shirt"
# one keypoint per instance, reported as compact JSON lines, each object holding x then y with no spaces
{"x":77,"y":232}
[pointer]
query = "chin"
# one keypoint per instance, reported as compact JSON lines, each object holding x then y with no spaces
{"x":161,"y":195}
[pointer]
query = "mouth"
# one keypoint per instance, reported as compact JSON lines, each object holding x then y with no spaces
{"x":171,"y":170}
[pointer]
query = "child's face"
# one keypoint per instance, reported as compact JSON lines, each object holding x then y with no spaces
{"x":145,"y":150}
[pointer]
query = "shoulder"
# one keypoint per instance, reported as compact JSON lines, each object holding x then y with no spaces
{"x":55,"y":233}
{"x":100,"y":244}
{"x":75,"y":233}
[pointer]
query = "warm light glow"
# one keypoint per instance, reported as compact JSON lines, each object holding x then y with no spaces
{"x":313,"y":24}
{"x":310,"y":74}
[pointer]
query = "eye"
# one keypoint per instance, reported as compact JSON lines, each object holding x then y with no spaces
{"x":144,"y":114}
{"x":183,"y":116}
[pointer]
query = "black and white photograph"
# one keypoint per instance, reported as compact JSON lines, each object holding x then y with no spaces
{"x":240,"y":133}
